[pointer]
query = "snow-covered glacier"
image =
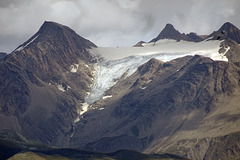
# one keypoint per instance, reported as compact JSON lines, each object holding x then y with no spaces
{"x":108,"y":72}
{"x":116,"y":62}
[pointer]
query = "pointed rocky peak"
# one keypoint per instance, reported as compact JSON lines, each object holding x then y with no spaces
{"x":170,"y":28}
{"x":51,"y":27}
{"x":56,"y":34}
{"x":230,"y":31}
{"x":52,"y":51}
{"x":169,"y":32}
{"x":229,"y":27}
{"x":227,"y":31}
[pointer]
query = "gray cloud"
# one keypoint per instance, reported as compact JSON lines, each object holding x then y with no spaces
{"x":113,"y":22}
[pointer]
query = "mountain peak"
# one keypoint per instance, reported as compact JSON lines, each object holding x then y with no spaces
{"x":169,"y":27}
{"x":169,"y":32}
{"x":55,"y":33}
{"x":228,"y":28}
{"x":227,"y":31}
{"x":52,"y":27}
{"x":227,"y":25}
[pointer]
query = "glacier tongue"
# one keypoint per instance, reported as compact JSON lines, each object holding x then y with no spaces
{"x":108,"y":72}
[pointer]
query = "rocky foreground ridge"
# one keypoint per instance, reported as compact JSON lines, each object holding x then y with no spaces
{"x":14,"y":146}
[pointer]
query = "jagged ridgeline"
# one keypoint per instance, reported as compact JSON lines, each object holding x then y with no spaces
{"x":176,"y":94}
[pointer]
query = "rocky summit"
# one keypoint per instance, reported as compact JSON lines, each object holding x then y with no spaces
{"x":227,"y":31}
{"x":35,"y":95}
{"x":177,"y":94}
{"x":169,"y":32}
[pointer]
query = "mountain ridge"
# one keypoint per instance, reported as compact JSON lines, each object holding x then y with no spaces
{"x":169,"y":32}
{"x":227,"y":31}
{"x":164,"y":106}
{"x":36,"y":78}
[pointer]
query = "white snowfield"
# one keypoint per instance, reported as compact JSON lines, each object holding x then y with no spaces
{"x":169,"y":49}
{"x":117,"y":62}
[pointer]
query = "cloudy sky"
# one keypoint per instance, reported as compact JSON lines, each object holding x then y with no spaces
{"x":113,"y":22}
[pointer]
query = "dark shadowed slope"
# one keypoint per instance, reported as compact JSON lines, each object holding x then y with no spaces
{"x":14,"y":146}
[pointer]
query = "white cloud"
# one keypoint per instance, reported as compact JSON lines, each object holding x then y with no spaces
{"x":113,"y":23}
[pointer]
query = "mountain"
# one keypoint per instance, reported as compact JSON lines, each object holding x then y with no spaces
{"x":169,"y":32}
{"x":227,"y":31}
{"x":169,"y":96}
{"x":230,"y":35}
{"x":181,"y":105}
{"x":16,"y":147}
{"x":161,"y":105}
{"x":44,"y":82}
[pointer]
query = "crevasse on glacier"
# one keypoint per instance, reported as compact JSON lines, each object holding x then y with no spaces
{"x":108,"y":72}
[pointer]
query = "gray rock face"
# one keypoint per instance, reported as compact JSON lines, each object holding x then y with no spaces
{"x":40,"y":95}
{"x":180,"y":107}
{"x":227,"y":31}
{"x":154,"y":107}
{"x":169,"y":32}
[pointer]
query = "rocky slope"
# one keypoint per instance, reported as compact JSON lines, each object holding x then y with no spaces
{"x":43,"y":82}
{"x":186,"y":106}
{"x":169,"y":32}
{"x":163,"y":104}
{"x":227,"y":31}
{"x":183,"y":107}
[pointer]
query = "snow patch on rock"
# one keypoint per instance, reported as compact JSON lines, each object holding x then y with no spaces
{"x":105,"y":97}
{"x":60,"y":88}
{"x":81,"y":111}
{"x":24,"y":46}
{"x":74,"y":68}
